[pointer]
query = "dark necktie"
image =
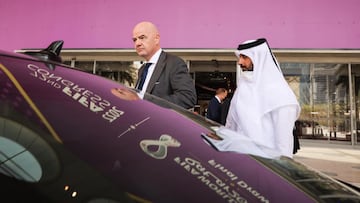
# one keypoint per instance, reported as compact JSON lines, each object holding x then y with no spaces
{"x":143,"y":76}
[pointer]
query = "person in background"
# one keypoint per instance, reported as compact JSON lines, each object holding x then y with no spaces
{"x":296,"y":130}
{"x":214,"y":107}
{"x":263,"y":109}
{"x":167,"y":76}
{"x":225,"y":108}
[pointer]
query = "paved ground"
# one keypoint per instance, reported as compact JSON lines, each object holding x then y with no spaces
{"x":337,"y":159}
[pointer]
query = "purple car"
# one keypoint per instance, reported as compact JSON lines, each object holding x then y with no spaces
{"x":67,"y":136}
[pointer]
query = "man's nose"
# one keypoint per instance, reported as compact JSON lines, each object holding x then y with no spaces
{"x":137,"y":42}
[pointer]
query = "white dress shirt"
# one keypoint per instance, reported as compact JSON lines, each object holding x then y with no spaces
{"x":153,"y":60}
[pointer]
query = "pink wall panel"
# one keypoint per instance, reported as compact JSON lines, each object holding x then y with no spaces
{"x":319,"y":24}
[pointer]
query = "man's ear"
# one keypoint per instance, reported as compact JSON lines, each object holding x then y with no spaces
{"x":157,"y":38}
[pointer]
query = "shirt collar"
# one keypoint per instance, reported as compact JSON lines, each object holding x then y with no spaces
{"x":218,"y":98}
{"x":155,"y":57}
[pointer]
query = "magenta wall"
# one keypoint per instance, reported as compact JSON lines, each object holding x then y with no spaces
{"x":319,"y":24}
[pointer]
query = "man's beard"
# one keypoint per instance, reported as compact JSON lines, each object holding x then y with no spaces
{"x":244,"y":68}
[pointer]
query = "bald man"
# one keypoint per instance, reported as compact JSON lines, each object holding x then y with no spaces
{"x":167,"y":76}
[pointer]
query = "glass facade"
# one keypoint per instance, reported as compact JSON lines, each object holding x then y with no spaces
{"x":329,"y":99}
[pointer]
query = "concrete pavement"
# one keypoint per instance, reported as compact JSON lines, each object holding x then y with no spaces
{"x":337,"y":159}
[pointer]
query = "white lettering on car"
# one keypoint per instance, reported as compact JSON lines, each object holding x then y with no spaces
{"x":83,"y":96}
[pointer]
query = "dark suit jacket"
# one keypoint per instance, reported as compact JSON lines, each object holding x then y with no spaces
{"x":171,"y":81}
{"x":224,"y":109}
{"x":214,"y":110}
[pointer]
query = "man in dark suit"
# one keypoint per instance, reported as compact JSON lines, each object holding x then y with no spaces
{"x":167,"y":75}
{"x":225,"y":109}
{"x":214,"y":107}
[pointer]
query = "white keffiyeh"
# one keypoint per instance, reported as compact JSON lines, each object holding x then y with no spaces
{"x":258,"y":95}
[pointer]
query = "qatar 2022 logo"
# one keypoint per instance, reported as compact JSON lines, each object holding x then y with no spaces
{"x":161,"y":146}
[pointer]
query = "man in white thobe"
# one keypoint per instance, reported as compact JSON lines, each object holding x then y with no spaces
{"x":263,"y":109}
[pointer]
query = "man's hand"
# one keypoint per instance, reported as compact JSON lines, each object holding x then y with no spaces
{"x":126,"y":94}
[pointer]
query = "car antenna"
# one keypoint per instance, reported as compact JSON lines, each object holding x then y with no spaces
{"x":51,"y":53}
